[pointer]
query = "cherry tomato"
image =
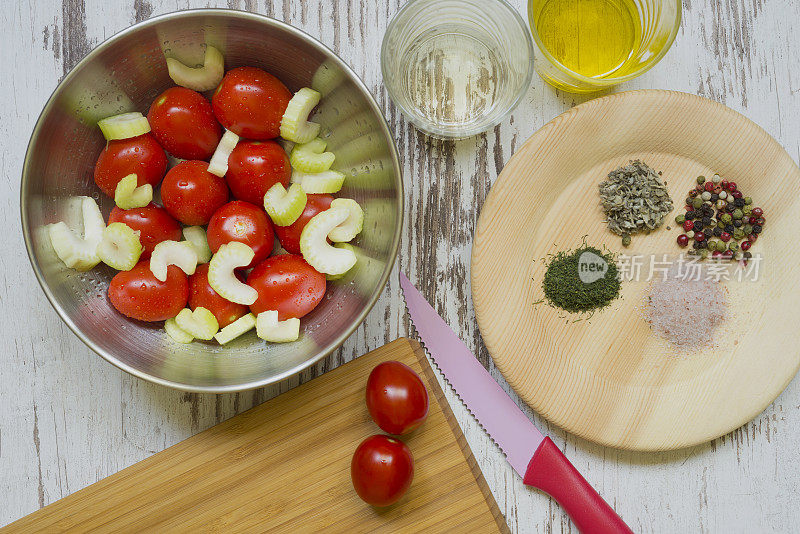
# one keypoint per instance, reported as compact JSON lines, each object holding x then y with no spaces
{"x":141,"y":155}
{"x":184,"y":124}
{"x":201,"y":294}
{"x":250,"y":102}
{"x":396,"y":398}
{"x":254,"y":167}
{"x":152,"y":222}
{"x":139,"y":295}
{"x":288,"y":284}
{"x":289,"y":236}
{"x":191,"y":194}
{"x":243,"y":222}
{"x":382,"y":469}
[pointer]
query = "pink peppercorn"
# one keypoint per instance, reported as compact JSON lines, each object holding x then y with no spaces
{"x":683,"y":240}
{"x":746,"y":245}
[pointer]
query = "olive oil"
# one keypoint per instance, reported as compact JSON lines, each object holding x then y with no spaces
{"x":595,"y":38}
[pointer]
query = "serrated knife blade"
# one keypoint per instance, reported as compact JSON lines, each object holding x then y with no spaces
{"x":535,"y":457}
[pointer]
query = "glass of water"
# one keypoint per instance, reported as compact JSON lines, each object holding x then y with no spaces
{"x":456,"y":68}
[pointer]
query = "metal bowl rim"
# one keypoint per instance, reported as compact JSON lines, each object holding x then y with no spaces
{"x":262,"y":19}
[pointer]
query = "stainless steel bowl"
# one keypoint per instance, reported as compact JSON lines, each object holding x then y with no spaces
{"x":126,"y":73}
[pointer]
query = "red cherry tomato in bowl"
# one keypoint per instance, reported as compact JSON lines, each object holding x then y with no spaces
{"x":254,"y":167}
{"x":201,"y":294}
{"x":289,"y":236}
{"x":382,"y":470}
{"x":250,"y":102}
{"x":288,"y":284}
{"x":152,"y":222}
{"x":139,"y":295}
{"x":396,"y":398}
{"x":184,"y":124}
{"x":141,"y":155}
{"x":191,"y":194}
{"x":243,"y":222}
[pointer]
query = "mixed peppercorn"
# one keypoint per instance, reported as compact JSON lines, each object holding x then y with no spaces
{"x":719,"y":221}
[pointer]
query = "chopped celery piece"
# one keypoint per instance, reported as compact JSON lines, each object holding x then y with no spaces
{"x":124,"y":126}
{"x":221,"y":275}
{"x":240,"y":326}
{"x":295,"y":125}
{"x":285,"y":207}
{"x":196,"y":235}
{"x":219,"y":161}
{"x":176,"y":332}
{"x":351,"y":226}
{"x":80,"y":253}
{"x":269,"y":328}
{"x":120,"y":247}
{"x":311,"y":156}
{"x":319,"y":182}
{"x":346,"y":246}
{"x":128,"y":196}
{"x":315,"y":247}
{"x":200,"y":323}
{"x":202,"y":78}
{"x":178,"y":253}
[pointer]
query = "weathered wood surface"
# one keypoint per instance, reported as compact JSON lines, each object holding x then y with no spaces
{"x":71,"y":419}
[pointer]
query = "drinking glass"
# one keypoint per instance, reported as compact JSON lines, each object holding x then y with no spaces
{"x":658,"y":23}
{"x":456,"y":68}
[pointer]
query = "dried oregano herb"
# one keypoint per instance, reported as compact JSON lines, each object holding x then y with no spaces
{"x":634,"y":198}
{"x":565,"y":288}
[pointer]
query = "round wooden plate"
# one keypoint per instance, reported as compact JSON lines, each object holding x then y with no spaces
{"x":611,"y":379}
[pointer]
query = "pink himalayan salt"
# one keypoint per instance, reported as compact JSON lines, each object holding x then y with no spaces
{"x":685,"y":311}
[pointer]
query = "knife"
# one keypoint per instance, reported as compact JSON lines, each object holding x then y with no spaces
{"x":535,"y":457}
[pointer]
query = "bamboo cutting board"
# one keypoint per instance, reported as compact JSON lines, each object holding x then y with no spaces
{"x":284,"y":466}
{"x":611,"y":379}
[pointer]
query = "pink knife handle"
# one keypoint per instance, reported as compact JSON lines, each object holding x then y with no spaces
{"x":550,"y":471}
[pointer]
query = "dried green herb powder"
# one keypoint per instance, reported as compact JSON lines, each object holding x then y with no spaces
{"x":582,"y":280}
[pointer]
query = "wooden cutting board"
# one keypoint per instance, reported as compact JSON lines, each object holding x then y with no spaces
{"x":284,"y":466}
{"x":611,"y":379}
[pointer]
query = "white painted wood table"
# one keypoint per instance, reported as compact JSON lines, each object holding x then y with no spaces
{"x":70,"y":419}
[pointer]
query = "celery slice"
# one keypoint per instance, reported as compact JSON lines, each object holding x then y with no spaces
{"x":202,"y":78}
{"x":295,"y":125}
{"x":315,"y":247}
{"x":311,"y":156}
{"x":240,"y":326}
{"x":351,"y":226}
{"x":128,"y":196}
{"x":269,"y":328}
{"x":285,"y":207}
{"x":219,"y":161}
{"x":178,"y":253}
{"x":221,"y":277}
{"x":124,"y":126}
{"x":80,"y":253}
{"x":319,"y":182}
{"x":196,"y":235}
{"x":346,"y":246}
{"x":200,"y":323}
{"x":176,"y":332}
{"x":120,"y":247}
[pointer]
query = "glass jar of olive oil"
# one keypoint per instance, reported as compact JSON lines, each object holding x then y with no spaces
{"x":588,"y":45}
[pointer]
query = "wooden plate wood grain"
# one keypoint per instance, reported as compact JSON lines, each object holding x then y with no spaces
{"x":611,"y":379}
